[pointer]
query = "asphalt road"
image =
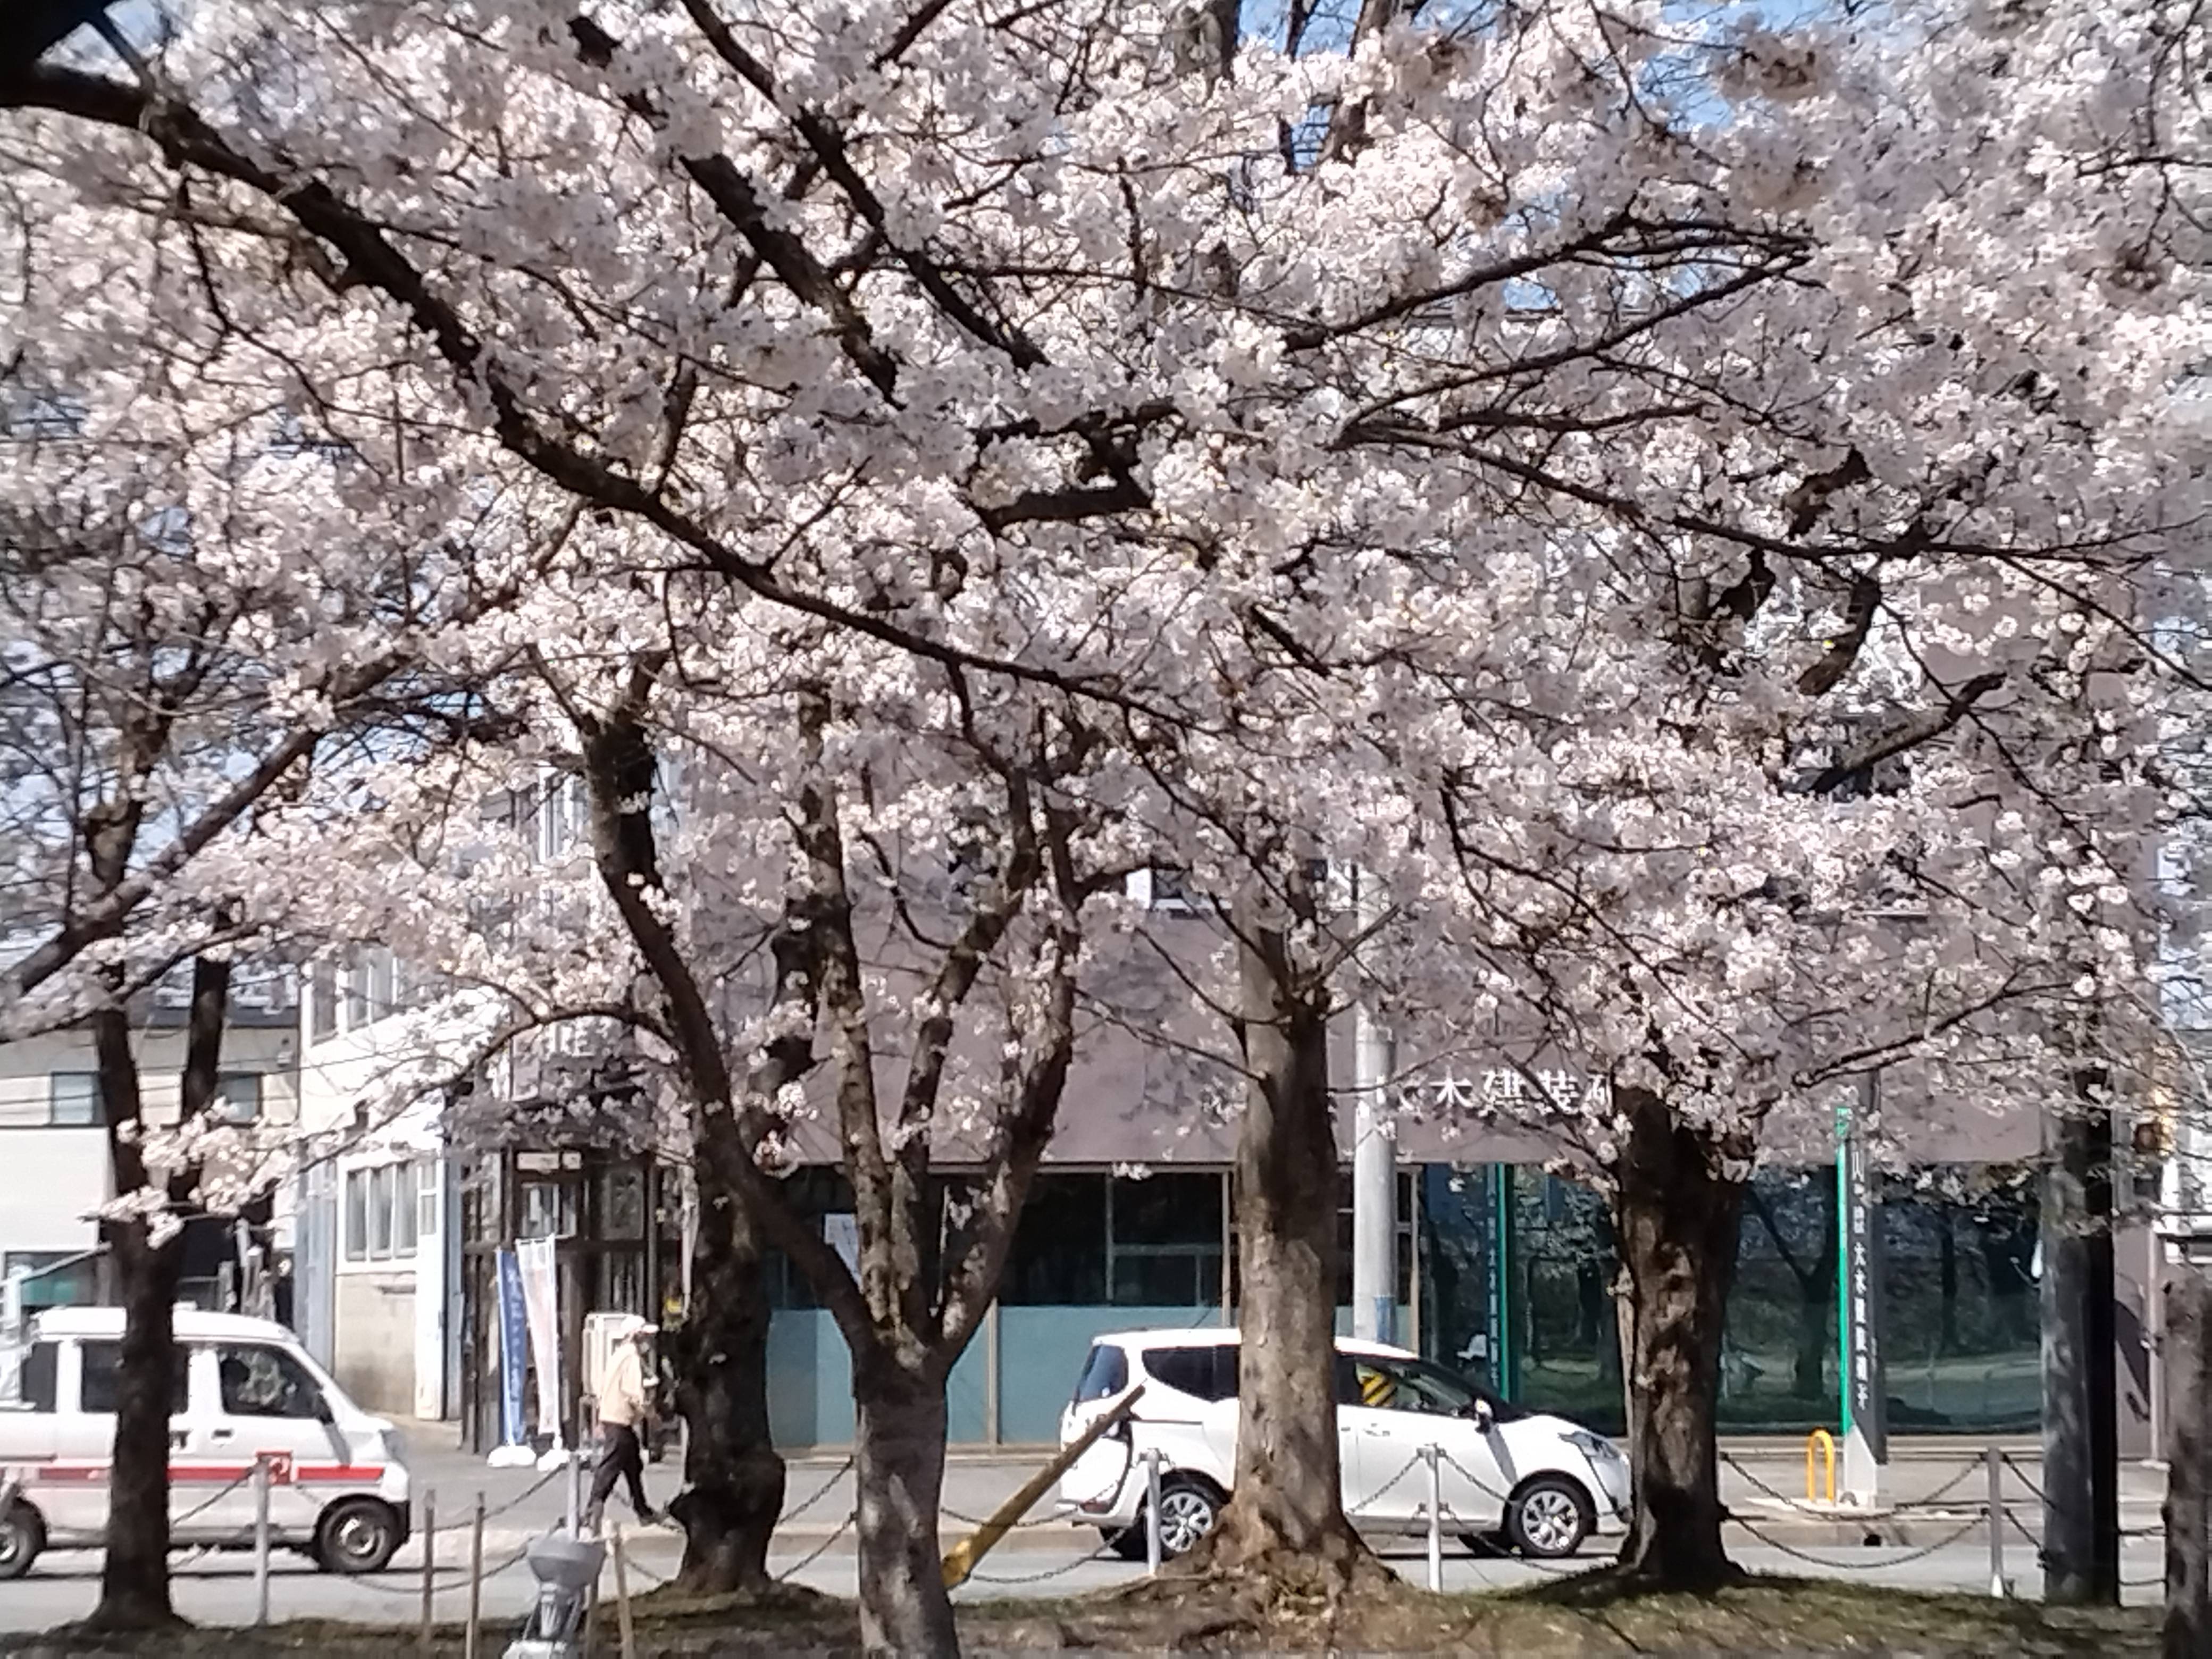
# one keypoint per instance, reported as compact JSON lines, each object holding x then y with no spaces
{"x":219,"y":1589}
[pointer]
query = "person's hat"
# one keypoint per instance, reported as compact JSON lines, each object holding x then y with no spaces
{"x":635,"y":1327}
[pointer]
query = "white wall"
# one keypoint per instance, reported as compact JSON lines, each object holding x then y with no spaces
{"x":52,"y":1178}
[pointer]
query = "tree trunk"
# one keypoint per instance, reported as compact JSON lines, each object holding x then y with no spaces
{"x":733,"y":1478}
{"x":2081,"y":1416}
{"x":898,"y":1452}
{"x":1676,"y":1223}
{"x":134,"y":1579}
{"x":1285,"y":1514}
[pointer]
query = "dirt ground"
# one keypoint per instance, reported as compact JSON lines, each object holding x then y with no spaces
{"x":1587,"y":1614}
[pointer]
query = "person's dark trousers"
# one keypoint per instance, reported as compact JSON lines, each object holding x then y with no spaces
{"x":621,"y":1458}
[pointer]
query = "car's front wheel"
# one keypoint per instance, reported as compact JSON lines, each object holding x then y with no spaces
{"x":1549,"y":1517}
{"x":1188,"y":1509}
{"x":357,"y":1535}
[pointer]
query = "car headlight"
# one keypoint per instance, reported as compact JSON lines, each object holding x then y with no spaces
{"x":1596,"y":1447}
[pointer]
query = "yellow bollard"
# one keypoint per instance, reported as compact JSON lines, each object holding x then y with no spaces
{"x":1820,"y":1440}
{"x":960,"y":1560}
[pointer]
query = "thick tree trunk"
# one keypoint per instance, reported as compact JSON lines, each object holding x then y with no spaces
{"x":1285,"y":1514}
{"x":898,"y":1451}
{"x":1676,"y":1219}
{"x":134,"y":1580}
{"x":733,"y":1478}
{"x":2081,"y":1416}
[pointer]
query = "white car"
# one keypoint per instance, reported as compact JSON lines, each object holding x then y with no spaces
{"x":244,"y":1390}
{"x":1543,"y":1482}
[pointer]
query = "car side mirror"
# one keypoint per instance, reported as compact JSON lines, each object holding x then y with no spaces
{"x":1479,"y":1412}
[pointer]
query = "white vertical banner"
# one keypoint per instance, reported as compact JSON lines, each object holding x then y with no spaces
{"x":541,"y":1308}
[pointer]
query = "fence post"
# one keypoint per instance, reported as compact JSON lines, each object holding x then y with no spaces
{"x":2187,"y":1352}
{"x":621,"y":1599}
{"x":1993,"y":1462}
{"x":262,"y":1473}
{"x":1152,"y":1510}
{"x":1436,"y":1518}
{"x":476,"y":1582}
{"x":429,"y":1566}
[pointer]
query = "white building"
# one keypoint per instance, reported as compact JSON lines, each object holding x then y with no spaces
{"x":54,"y":1167}
{"x":375,"y":1249}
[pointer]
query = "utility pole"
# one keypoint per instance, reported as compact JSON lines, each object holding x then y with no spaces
{"x":2080,"y":1414}
{"x":1374,"y":1157}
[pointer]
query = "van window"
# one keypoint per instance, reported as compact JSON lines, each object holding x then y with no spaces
{"x":1205,"y":1373}
{"x":1105,"y":1374}
{"x":264,"y":1381}
{"x":101,"y":1366}
{"x":36,"y":1381}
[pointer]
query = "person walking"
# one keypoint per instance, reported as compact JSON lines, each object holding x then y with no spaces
{"x":621,"y":1424}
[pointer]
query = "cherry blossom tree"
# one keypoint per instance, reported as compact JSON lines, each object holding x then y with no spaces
{"x":1547,"y":461}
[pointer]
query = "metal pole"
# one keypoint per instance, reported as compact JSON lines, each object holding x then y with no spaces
{"x":429,"y":1562}
{"x":476,"y":1582}
{"x":261,"y":1479}
{"x":1374,"y":1161}
{"x":1436,"y":1518}
{"x":621,"y":1599}
{"x":576,"y":1494}
{"x":1152,"y":1510}
{"x":1993,"y":1461}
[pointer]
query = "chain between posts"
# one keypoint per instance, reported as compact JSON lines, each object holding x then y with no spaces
{"x":1882,"y":1565}
{"x":513,"y":1502}
{"x":819,"y":1549}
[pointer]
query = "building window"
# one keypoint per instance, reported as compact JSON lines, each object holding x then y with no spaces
{"x":1087,"y":1239}
{"x":54,"y":1278}
{"x":323,"y":1001}
{"x":1166,"y":887}
{"x":357,"y":1215}
{"x":357,"y":996}
{"x":377,"y":967}
{"x":237,"y":1097}
{"x":75,"y":1101}
{"x":1403,"y":1252}
{"x":381,"y":1212}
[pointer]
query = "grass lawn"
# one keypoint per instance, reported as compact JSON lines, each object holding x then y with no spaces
{"x":1581,"y":1615}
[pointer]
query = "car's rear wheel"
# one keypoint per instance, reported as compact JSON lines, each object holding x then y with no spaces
{"x":22,"y":1538}
{"x":1188,"y":1509}
{"x":356,"y":1535}
{"x":1548,"y":1516}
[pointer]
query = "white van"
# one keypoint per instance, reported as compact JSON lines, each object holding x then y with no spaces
{"x":243,"y":1387}
{"x":1540,"y":1483}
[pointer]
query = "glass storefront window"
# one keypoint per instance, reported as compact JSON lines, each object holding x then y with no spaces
{"x":1518,"y":1268}
{"x":1962,"y":1329}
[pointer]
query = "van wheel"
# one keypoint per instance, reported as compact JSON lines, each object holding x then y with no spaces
{"x":1188,"y":1509}
{"x":22,"y":1538}
{"x":1549,"y":1517}
{"x":356,"y":1535}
